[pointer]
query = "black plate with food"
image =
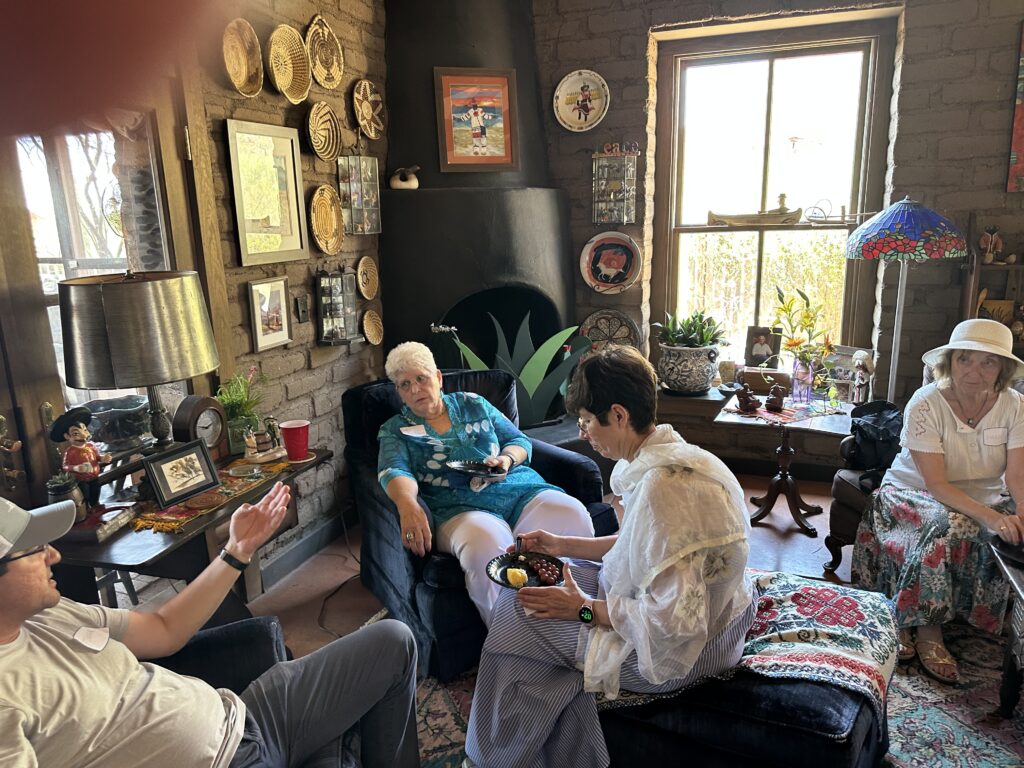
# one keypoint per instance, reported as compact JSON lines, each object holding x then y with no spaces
{"x":1013,"y":552}
{"x":541,"y":570}
{"x":476,"y":468}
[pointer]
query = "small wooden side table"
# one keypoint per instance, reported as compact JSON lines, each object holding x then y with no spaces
{"x":784,"y":483}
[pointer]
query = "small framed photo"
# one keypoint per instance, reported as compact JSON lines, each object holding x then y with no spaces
{"x":271,"y":321}
{"x":762,"y":347}
{"x":476,"y":119}
{"x":181,"y":473}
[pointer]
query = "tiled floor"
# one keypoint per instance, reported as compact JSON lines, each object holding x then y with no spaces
{"x":324,"y":598}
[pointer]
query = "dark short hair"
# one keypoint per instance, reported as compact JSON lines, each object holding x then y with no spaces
{"x":615,"y":374}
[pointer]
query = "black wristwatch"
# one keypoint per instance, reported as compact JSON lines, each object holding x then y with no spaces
{"x":586,"y":613}
{"x":233,"y":561}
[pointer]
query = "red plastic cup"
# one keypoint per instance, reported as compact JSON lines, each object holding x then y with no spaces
{"x":296,"y":438}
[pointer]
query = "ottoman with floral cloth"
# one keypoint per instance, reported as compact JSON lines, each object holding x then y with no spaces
{"x":810,"y":689}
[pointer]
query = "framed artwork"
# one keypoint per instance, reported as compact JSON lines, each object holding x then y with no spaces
{"x":271,"y":322}
{"x":762,"y":347}
{"x":359,"y":185}
{"x":476,"y":119}
{"x":266,"y":180}
{"x":1015,"y":178}
{"x":181,"y":473}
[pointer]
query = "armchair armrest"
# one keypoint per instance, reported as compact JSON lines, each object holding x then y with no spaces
{"x":573,"y":472}
{"x":232,"y":655}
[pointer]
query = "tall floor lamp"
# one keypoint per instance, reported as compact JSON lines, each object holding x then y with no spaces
{"x":905,"y":231}
{"x":137,"y":329}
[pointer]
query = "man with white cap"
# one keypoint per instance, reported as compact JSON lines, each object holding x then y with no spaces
{"x":924,"y":539}
{"x":75,"y":693}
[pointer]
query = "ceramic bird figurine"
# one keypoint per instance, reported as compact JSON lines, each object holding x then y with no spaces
{"x":404,"y":178}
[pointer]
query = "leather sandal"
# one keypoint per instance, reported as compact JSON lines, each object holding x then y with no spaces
{"x":932,"y":652}
{"x":907,"y":650}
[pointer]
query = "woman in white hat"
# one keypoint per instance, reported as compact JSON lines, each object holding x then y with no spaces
{"x":922,"y":541}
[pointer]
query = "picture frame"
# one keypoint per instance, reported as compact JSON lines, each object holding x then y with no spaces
{"x":266,"y":182}
{"x":768,"y":347}
{"x":269,"y":310}
{"x":180,"y":473}
{"x":477,"y":114}
{"x":1015,"y":172}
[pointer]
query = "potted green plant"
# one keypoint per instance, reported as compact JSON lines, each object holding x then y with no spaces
{"x":64,"y":485}
{"x":689,"y":352}
{"x":240,"y":397}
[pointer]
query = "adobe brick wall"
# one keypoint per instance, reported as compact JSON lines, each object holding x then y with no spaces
{"x":303,"y":380}
{"x":952,"y":105}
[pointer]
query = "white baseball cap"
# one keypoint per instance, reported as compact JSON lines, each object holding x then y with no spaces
{"x":22,"y":529}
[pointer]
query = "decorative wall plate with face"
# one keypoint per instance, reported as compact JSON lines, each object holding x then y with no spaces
{"x":581,"y":100}
{"x":611,"y":262}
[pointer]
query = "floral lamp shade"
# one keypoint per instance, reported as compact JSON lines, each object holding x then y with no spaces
{"x":906,"y":231}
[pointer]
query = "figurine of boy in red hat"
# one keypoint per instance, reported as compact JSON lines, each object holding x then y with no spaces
{"x":82,"y":458}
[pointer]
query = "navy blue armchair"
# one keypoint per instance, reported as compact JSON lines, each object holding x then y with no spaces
{"x":429,"y":594}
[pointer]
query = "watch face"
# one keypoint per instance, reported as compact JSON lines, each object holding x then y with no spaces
{"x":210,"y":427}
{"x":586,"y":614}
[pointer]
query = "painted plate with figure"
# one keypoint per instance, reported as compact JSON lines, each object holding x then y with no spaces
{"x":610,"y":326}
{"x":611,"y":262}
{"x":581,"y":100}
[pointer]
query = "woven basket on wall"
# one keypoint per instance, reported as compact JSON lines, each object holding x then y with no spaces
{"x":324,"y":131}
{"x":326,"y":219}
{"x":324,"y":53}
{"x":288,"y":63}
{"x":243,"y":58}
{"x":373,"y":327}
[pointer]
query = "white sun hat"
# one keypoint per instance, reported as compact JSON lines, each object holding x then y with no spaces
{"x":21,"y":529}
{"x":987,"y":336}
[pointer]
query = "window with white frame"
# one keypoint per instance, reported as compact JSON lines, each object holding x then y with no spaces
{"x":796,"y":124}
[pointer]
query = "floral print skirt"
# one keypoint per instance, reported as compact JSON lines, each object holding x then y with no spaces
{"x":935,"y":563}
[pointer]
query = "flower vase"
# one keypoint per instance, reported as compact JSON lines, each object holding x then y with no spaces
{"x":803,"y":382}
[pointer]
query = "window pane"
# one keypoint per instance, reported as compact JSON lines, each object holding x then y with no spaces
{"x":814,"y":131}
{"x":96,"y":189}
{"x":723,"y":138}
{"x":815,"y":263}
{"x":718,"y":274}
{"x":36,"y":185}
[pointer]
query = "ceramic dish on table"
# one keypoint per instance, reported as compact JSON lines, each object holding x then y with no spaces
{"x":533,"y":563}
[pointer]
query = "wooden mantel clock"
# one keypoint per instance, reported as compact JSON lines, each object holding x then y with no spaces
{"x":202,"y":418}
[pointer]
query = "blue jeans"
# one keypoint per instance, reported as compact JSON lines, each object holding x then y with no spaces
{"x":298,"y":711}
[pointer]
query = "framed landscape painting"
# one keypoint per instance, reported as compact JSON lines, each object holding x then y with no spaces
{"x":271,"y":323}
{"x":476,"y":119}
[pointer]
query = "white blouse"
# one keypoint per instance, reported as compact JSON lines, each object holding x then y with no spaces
{"x":975,"y":457}
{"x":675,"y":576}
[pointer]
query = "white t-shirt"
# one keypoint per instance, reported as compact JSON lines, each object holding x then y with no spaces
{"x":86,"y":701}
{"x":975,"y":457}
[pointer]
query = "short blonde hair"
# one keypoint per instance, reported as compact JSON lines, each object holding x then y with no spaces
{"x":409,"y":355}
{"x":943,"y":369}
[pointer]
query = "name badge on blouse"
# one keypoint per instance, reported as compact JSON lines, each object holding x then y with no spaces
{"x":93,"y":638}
{"x":996,"y":436}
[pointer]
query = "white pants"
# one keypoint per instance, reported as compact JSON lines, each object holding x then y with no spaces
{"x":475,"y":537}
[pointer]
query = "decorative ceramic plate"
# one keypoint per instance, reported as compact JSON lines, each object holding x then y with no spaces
{"x":326,"y":219}
{"x":243,"y":58}
{"x":581,"y":100}
{"x":369,"y":106}
{"x":324,"y":131}
{"x":496,"y":568}
{"x":325,"y":54}
{"x":610,"y":326}
{"x":367,"y":280}
{"x":611,"y":262}
{"x":373,"y":327}
{"x":475,"y":468}
{"x":288,"y":63}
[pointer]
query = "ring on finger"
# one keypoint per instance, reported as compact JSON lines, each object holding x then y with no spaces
{"x":409,"y":535}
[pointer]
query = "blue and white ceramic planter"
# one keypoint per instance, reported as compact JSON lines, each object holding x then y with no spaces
{"x":688,"y":370}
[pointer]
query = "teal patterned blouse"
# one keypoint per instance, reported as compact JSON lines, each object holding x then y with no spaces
{"x":410,"y":448}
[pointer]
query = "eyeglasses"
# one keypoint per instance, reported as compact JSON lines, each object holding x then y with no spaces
{"x":29,"y":553}
{"x":420,"y":381}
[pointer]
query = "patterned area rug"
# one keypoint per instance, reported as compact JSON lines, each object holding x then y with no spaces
{"x":930,"y":725}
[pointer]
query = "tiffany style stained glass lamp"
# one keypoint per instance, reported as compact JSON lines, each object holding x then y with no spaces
{"x":905,"y":231}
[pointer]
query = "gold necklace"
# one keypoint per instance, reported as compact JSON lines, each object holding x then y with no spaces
{"x":970,"y":421}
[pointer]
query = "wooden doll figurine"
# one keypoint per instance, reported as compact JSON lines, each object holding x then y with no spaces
{"x":82,"y":458}
{"x":746,"y":401}
{"x":776,"y":398}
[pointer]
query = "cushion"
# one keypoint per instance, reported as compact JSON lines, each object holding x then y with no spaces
{"x":848,"y":489}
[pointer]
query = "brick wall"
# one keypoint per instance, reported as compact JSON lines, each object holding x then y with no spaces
{"x":304,"y":380}
{"x":952,"y":104}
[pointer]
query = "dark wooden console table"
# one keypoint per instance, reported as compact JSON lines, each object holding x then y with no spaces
{"x":784,"y":483}
{"x":166,"y":555}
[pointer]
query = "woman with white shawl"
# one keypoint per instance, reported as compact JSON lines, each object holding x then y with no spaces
{"x":660,"y":606}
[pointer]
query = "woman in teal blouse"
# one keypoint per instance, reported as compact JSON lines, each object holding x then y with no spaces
{"x":473,"y":518}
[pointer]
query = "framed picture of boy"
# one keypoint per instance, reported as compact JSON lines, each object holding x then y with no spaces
{"x":762,"y":347}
